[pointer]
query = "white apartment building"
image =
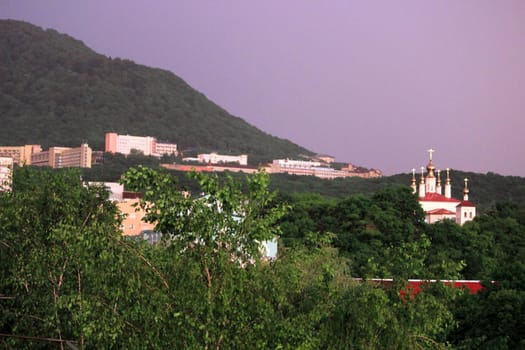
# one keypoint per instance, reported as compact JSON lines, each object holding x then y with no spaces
{"x":214,"y":158}
{"x":125,"y":143}
{"x":294,"y":164}
{"x":6,"y":173}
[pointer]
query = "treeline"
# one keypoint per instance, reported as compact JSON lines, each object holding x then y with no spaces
{"x":485,"y":189}
{"x":56,"y":91}
{"x":67,"y":275}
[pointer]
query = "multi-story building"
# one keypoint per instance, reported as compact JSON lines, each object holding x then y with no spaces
{"x":6,"y":173}
{"x":282,"y":165}
{"x":315,"y":168}
{"x":163,"y":148}
{"x":115,"y":190}
{"x":21,"y":155}
{"x":126,"y":143}
{"x":438,"y":206}
{"x":97,"y":157}
{"x":148,"y":145}
{"x":215,"y":158}
{"x":133,"y":223}
{"x":64,"y":157}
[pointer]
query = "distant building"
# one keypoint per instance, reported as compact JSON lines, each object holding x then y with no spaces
{"x":97,"y":157}
{"x":64,"y":157}
{"x":438,"y":206}
{"x":6,"y":173}
{"x":215,"y":158}
{"x":133,"y":223}
{"x":125,"y":143}
{"x":21,"y":155}
{"x":361,"y":172}
{"x":163,"y":148}
{"x":315,"y":168}
{"x":148,"y":145}
{"x":116,"y":190}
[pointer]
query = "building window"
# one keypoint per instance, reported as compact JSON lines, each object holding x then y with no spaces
{"x":465,"y":214}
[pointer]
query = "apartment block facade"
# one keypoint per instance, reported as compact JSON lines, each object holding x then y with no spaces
{"x":148,"y":145}
{"x":21,"y":155}
{"x":163,"y":148}
{"x":64,"y":157}
{"x":314,"y":168}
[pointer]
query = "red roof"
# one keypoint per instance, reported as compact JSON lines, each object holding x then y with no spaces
{"x":440,"y":211}
{"x":436,"y":197}
{"x":414,"y":286}
{"x":466,"y":204}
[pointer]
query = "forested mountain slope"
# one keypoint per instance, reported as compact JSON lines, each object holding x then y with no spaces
{"x":54,"y":90}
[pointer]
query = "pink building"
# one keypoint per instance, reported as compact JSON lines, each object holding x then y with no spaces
{"x":125,"y":143}
{"x":148,"y":145}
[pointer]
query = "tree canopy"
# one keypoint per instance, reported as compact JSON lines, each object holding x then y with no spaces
{"x":69,"y":279}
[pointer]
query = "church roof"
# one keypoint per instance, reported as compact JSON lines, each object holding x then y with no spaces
{"x":466,"y":204}
{"x":440,"y":211}
{"x":436,"y":197}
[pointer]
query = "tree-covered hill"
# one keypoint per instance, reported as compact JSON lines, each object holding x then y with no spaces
{"x":54,"y":90}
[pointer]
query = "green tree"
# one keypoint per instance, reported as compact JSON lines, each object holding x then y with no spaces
{"x":67,"y":271}
{"x":218,"y":236}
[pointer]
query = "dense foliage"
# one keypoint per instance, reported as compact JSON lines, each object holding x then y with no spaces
{"x":69,"y":279}
{"x":55,"y":91}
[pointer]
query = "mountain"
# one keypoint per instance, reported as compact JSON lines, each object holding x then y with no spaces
{"x":54,"y":90}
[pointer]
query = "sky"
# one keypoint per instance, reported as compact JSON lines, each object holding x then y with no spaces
{"x":374,"y":83}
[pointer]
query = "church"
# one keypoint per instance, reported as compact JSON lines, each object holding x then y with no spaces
{"x":439,"y":206}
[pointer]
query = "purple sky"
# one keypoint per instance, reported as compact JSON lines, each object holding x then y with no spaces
{"x":374,"y":83}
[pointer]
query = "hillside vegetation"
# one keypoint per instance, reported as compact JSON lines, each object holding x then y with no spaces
{"x":54,"y":90}
{"x":485,"y":189}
